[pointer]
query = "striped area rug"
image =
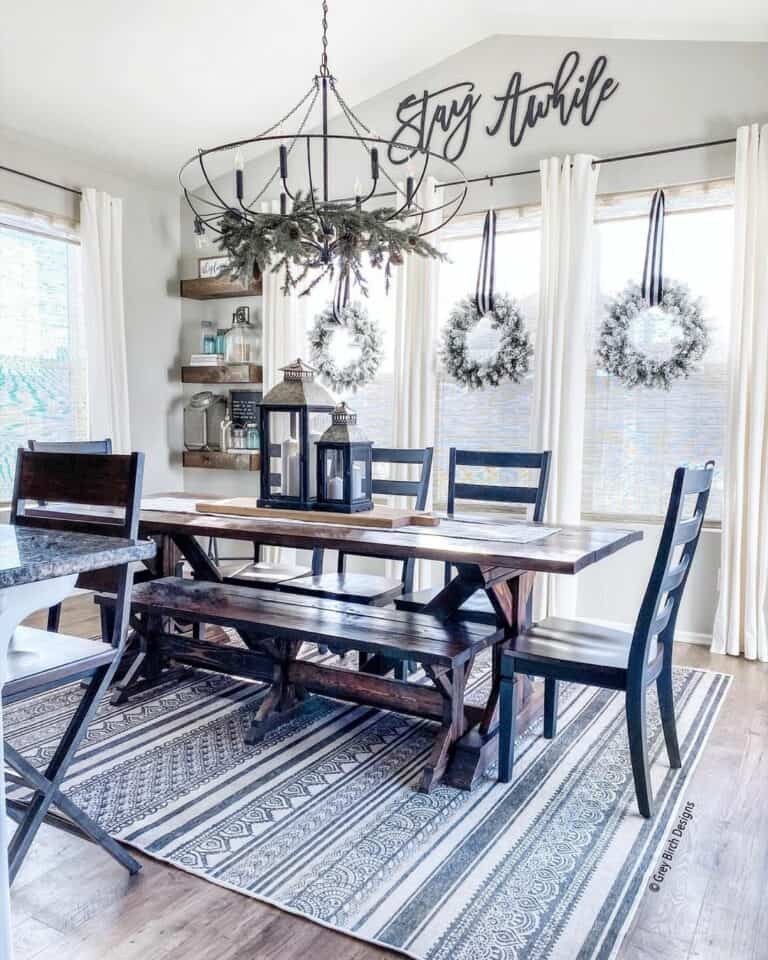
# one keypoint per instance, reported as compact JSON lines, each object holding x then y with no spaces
{"x":323,"y":818}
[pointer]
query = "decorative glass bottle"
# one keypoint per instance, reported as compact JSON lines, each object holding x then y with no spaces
{"x":207,"y":337}
{"x":241,"y":339}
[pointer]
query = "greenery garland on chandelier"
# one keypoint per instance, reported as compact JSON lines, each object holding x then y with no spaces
{"x":292,"y":244}
{"x":365,"y":334}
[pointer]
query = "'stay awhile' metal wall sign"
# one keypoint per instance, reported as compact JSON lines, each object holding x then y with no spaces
{"x":442,"y":120}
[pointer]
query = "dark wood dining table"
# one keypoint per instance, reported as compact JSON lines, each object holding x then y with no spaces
{"x":497,"y":555}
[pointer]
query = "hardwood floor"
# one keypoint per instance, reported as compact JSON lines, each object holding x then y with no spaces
{"x":71,"y":902}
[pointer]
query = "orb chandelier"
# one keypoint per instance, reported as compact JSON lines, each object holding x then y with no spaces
{"x":321,"y":226}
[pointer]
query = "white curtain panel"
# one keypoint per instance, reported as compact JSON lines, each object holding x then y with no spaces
{"x":284,"y":339}
{"x":568,"y":191}
{"x":416,"y":329}
{"x":101,"y":232}
{"x":740,"y":622}
{"x":284,"y":324}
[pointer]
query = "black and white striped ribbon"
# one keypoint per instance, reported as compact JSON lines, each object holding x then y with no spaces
{"x":486,"y":269}
{"x":341,"y":295}
{"x":653,"y":270}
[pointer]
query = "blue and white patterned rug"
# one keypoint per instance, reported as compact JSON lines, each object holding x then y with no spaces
{"x":323,"y":818}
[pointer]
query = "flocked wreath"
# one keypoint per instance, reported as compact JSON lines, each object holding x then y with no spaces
{"x":620,"y":357}
{"x":364,"y":333}
{"x":511,"y":359}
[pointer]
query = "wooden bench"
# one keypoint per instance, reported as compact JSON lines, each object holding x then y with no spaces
{"x":273,"y":626}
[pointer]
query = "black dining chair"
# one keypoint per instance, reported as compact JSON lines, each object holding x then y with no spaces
{"x":373,"y":589}
{"x":478,"y":609}
{"x":39,"y":660}
{"x":578,"y":652}
{"x":67,"y":446}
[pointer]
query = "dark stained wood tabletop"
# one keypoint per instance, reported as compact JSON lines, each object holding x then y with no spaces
{"x":566,"y":551}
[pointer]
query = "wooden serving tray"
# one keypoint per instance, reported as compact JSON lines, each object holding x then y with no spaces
{"x":381,"y":517}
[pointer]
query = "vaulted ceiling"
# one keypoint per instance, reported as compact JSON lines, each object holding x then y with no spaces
{"x":142,"y":84}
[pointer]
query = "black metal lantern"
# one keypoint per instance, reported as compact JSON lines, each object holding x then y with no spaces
{"x":294,"y":415}
{"x":344,"y":471}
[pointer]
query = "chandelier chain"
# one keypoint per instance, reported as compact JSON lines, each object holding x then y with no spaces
{"x":315,"y":92}
{"x":324,"y":56}
{"x":357,"y":124}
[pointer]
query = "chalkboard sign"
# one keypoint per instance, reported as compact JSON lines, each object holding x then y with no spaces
{"x":244,"y":406}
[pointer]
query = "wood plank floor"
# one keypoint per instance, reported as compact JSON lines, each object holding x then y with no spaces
{"x":71,"y":902}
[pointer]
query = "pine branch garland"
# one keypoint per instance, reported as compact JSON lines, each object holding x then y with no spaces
{"x":293,"y":244}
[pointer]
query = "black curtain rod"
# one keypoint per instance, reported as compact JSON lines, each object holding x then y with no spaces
{"x":489,"y":178}
{"x":48,"y":183}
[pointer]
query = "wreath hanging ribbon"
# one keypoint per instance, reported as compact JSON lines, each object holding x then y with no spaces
{"x":341,"y":295}
{"x":653,"y":267}
{"x":486,"y":268}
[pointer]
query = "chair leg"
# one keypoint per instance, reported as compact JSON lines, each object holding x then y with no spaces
{"x":56,"y":769}
{"x":54,"y":618}
{"x":78,"y":823}
{"x":638,"y":750}
{"x":667,"y":710}
{"x":551,"y":696}
{"x":507,"y":725}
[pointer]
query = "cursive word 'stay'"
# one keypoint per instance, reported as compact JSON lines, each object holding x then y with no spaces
{"x":447,"y":112}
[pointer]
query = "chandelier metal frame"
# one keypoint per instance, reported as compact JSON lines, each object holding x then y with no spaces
{"x":411,"y":208}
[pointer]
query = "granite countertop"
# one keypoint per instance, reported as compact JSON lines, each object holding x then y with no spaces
{"x":28,"y":555}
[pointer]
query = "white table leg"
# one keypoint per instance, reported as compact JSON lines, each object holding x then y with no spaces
{"x":17,"y":603}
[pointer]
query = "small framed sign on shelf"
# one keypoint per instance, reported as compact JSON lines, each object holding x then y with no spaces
{"x":209,"y":267}
{"x":244,"y":406}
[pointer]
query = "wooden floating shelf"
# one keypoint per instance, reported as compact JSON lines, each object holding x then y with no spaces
{"x":223,"y":373}
{"x":218,"y":288}
{"x":220,"y":460}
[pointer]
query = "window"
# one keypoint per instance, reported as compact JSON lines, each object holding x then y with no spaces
{"x":634,"y":438}
{"x":498,"y":418}
{"x":42,"y":351}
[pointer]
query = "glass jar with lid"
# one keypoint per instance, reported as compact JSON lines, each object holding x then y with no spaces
{"x":242,"y":339}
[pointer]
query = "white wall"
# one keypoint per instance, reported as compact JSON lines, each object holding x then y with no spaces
{"x":152,"y":305}
{"x":670,"y":93}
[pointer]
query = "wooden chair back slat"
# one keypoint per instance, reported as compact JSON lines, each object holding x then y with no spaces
{"x":70,"y":446}
{"x":516,"y":460}
{"x":495,"y":493}
{"x":687,"y":530}
{"x":663,"y":595}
